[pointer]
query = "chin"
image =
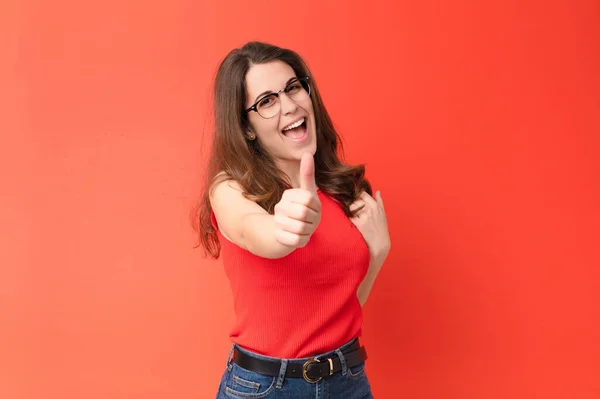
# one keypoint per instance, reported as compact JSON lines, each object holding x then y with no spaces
{"x":311,"y":148}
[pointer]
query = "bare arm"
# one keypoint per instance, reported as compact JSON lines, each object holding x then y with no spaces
{"x":245,"y":223}
{"x":371,"y":221}
{"x":364,"y":289}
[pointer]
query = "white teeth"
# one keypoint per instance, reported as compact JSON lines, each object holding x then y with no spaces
{"x":293,"y":125}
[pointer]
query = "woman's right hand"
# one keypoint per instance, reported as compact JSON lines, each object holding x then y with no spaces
{"x":298,"y":213}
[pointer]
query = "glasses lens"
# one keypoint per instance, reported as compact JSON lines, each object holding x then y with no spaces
{"x":268,"y":106}
{"x":306,"y":86}
{"x":298,"y":90}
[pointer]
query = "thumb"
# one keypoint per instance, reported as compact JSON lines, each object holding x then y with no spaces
{"x":307,"y":173}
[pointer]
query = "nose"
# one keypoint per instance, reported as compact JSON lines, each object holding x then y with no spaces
{"x":288,"y":105}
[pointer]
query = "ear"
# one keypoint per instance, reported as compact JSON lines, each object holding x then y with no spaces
{"x":249,"y":132}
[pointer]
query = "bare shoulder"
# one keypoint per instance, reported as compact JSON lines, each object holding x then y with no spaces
{"x":225,"y":189}
{"x":230,"y":206}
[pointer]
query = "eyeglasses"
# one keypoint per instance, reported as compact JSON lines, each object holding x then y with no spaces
{"x":270,"y":105}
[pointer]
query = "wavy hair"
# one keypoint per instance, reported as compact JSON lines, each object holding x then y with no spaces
{"x":249,"y":164}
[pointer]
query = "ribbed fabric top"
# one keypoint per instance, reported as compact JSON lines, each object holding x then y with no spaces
{"x":305,"y":303}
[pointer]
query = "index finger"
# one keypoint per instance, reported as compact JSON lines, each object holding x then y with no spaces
{"x":368,"y":199}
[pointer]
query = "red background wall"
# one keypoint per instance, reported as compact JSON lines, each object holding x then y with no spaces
{"x":478,"y":122}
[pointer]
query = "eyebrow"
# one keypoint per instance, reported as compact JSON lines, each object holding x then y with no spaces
{"x":271,"y":91}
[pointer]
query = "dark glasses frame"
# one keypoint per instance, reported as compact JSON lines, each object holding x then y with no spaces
{"x":304,"y":79}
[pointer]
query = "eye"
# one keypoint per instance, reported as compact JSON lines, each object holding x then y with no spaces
{"x":293,"y":87}
{"x":266,"y":102}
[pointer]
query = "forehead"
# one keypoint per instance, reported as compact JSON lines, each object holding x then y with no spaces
{"x":269,"y":76}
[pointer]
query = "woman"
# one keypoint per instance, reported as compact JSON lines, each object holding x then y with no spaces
{"x":301,"y":238}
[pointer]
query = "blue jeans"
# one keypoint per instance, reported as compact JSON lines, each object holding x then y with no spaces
{"x":239,"y":383}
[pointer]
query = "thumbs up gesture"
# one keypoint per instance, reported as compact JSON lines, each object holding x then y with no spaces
{"x":298,"y":213}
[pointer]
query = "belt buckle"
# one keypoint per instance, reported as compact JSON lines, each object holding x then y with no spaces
{"x":315,"y":360}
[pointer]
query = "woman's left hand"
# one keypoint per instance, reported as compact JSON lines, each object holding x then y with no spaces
{"x":371,"y":221}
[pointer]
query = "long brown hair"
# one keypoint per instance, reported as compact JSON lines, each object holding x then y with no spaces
{"x":250,"y":165}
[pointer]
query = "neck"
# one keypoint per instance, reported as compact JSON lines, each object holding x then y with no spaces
{"x":292,"y":169}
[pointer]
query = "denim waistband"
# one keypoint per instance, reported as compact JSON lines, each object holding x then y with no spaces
{"x":285,"y":362}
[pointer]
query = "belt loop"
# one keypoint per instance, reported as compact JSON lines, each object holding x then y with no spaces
{"x":342,"y":360}
{"x":229,"y":358}
{"x":282,"y":370}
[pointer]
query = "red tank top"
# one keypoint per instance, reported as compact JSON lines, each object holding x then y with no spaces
{"x":304,"y":303}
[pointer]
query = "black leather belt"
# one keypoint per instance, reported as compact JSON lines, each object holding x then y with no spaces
{"x":312,"y":370}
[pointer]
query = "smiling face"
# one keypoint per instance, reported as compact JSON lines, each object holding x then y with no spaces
{"x":285,"y":145}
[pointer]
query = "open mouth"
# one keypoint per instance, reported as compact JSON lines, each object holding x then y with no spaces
{"x":296,"y":131}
